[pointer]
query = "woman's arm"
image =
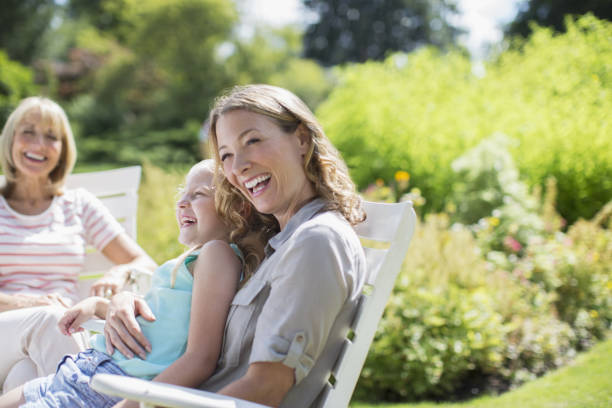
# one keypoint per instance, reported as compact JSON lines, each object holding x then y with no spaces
{"x":263,"y":383}
{"x":127,"y":255}
{"x":21,"y":301}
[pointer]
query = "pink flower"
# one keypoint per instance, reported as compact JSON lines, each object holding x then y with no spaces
{"x":512,"y":244}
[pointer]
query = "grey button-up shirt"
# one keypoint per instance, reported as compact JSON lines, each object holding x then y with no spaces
{"x":297,"y":307}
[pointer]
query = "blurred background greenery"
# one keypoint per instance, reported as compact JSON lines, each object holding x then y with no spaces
{"x":507,"y":155}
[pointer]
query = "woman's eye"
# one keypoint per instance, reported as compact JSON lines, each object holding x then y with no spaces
{"x":252,"y":140}
{"x":224,"y":156}
{"x":51,"y":137}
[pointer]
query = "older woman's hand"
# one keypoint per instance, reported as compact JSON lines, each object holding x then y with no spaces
{"x":52,"y":299}
{"x":107,"y":286}
{"x":122,"y":331}
{"x":111,"y":283}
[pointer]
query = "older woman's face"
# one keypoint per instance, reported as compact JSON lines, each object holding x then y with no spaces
{"x":36,"y":146}
{"x":264,"y":162}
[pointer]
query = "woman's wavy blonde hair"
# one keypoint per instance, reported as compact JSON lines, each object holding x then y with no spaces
{"x":250,"y":243}
{"x":323,"y":164}
{"x":53,"y":113}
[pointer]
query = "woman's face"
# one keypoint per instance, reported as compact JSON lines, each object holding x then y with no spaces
{"x":264,"y":162}
{"x":36,"y":147}
{"x":195,"y":210}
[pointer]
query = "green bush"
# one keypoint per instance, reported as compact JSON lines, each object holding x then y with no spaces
{"x":430,"y":342}
{"x":419,"y":112}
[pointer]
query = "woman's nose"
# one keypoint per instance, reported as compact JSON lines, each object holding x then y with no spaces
{"x":241,"y":164}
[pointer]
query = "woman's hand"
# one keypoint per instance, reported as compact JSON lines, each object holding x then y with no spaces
{"x":121,"y":330}
{"x":52,"y":299}
{"x":110,"y":284}
{"x":80,"y":313}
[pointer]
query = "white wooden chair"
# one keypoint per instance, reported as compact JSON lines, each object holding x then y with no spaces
{"x":385,"y":235}
{"x":118,"y":191}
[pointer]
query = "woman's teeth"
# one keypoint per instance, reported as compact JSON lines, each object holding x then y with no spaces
{"x":257,"y":184}
{"x":34,"y":156}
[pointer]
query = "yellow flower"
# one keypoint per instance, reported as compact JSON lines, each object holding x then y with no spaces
{"x":380,"y":182}
{"x":594,"y":314}
{"x":609,"y":285}
{"x":402,"y":175}
{"x":494,"y":221}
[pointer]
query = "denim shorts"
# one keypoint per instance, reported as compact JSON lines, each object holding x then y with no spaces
{"x":69,"y":386}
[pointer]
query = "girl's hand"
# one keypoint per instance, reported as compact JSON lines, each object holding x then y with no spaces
{"x":78,"y":314}
{"x":121,"y":330}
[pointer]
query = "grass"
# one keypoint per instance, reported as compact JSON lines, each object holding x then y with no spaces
{"x":586,"y":382}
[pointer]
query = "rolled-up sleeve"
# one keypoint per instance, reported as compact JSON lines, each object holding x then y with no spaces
{"x":307,"y":291}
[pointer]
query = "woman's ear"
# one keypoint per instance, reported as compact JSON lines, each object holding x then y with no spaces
{"x":304,"y":138}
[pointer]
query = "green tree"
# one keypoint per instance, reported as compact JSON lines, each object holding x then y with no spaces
{"x":551,"y":13}
{"x":22,"y":24}
{"x":360,"y":30}
{"x":16,"y":82}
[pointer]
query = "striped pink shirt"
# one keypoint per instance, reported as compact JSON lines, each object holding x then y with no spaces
{"x":44,"y":253}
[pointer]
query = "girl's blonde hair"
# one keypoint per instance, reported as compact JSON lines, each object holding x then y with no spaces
{"x":249,"y":243}
{"x":323,"y":164}
{"x":53,"y":113}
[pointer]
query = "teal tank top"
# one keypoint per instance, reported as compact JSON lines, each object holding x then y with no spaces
{"x":168,"y":333}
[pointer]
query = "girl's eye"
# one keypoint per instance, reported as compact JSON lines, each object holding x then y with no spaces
{"x":252,"y":140}
{"x":51,"y":136}
{"x":224,"y":156}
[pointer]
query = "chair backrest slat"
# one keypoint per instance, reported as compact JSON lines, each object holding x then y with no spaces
{"x":385,"y":236}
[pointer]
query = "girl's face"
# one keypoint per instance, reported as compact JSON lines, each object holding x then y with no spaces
{"x":264,"y":162}
{"x":195,"y":210}
{"x":37,"y":146}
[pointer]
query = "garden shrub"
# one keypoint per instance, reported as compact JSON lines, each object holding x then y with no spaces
{"x":429,"y":343}
{"x":445,"y":277}
{"x":418,"y":112}
{"x":489,"y":195}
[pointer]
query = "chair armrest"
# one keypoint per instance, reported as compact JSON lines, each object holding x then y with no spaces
{"x":94,"y":325}
{"x":165,"y":395}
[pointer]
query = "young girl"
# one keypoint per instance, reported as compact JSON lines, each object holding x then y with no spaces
{"x":189,"y":300}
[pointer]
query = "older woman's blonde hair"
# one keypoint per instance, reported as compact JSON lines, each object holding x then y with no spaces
{"x":323,"y":164}
{"x":54,"y":114}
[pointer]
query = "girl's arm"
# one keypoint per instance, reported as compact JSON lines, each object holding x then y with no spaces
{"x":81,"y":312}
{"x":216,"y":274}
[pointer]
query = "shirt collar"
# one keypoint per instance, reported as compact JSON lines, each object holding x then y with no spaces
{"x":305,"y":213}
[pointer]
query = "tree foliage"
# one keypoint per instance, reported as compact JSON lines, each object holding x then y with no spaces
{"x":360,"y":30}
{"x":552,"y":96}
{"x":16,"y":82}
{"x":22,"y":24}
{"x":552,"y":13}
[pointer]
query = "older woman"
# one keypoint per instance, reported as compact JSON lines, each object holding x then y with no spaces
{"x":286,"y":324}
{"x":43,"y":234}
